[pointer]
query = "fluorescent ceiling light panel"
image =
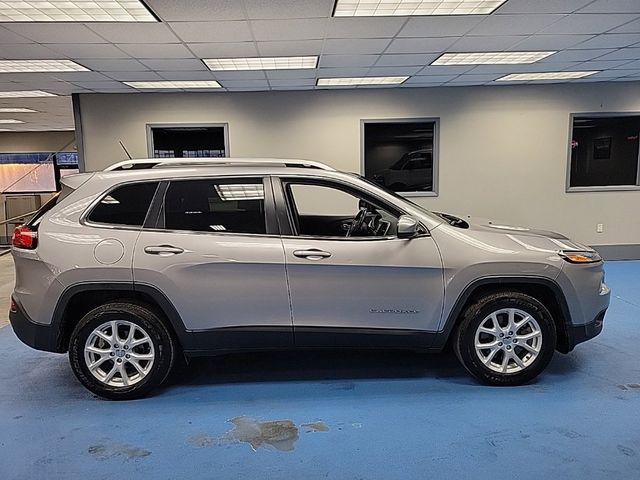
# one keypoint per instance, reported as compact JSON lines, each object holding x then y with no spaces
{"x":180,"y":85}
{"x":523,"y":77}
{"x":261,"y":63}
{"x":240,"y":192}
{"x":75,"y":11}
{"x":490,"y":58}
{"x":17,"y":110}
{"x":26,"y":94}
{"x":354,"y":81}
{"x":386,"y":8}
{"x":6,"y":130}
{"x":32,"y":66}
{"x":10,"y":120}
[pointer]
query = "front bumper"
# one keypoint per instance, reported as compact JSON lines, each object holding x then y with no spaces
{"x":577,"y":334}
{"x":38,"y":336}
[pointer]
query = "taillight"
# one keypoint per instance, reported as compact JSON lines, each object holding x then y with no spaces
{"x":24,"y":237}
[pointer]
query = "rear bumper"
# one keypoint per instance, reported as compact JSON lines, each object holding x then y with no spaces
{"x":38,"y":336}
{"x":577,"y":334}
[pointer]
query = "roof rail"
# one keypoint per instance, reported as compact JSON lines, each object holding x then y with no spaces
{"x":166,"y":162}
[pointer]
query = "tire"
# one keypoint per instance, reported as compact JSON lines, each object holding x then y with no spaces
{"x":538,"y":334}
{"x":144,"y":357}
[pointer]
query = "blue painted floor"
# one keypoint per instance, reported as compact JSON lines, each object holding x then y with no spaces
{"x":389,"y":415}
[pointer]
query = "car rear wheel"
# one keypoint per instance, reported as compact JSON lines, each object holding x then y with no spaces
{"x":505,"y":338}
{"x":121,"y":351}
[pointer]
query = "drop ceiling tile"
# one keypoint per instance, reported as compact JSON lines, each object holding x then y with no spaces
{"x":421,"y":85}
{"x":442,"y":26}
{"x":291,"y":88}
{"x":347,"y":60}
{"x":240,"y":75}
{"x":393,"y":71}
{"x":610,"y":41}
{"x":577,"y":55}
{"x":30,"y":51}
{"x":373,"y":27}
{"x":611,"y":6}
{"x":7,"y":36}
{"x":244,"y":83}
{"x":80,"y":76}
{"x":486,"y":44}
{"x":586,"y":23}
{"x":531,"y":68}
{"x":81,"y":51}
{"x":628,"y":64}
{"x":632,"y":53}
{"x":246,"y":89}
{"x":221,"y":50}
{"x":406,"y":59}
{"x":121,"y":65}
{"x":541,"y":6}
{"x":603,"y":65}
{"x":420,"y":45}
{"x":172,"y":10}
{"x":355,"y":46}
{"x":549,"y":42}
{"x":135,"y":33}
{"x":292,"y":82}
{"x":342,"y":72}
{"x":133,"y":76}
{"x":305,"y":29}
{"x":286,"y":49}
{"x":261,"y":9}
{"x":100,"y":85}
{"x":291,"y":74}
{"x":159,"y":50}
{"x":480,"y":78}
{"x":631,"y":27}
{"x":186,"y":75}
{"x":176,"y":64}
{"x":56,"y":32}
{"x":513,"y":24}
{"x":445,"y":69}
{"x":606,"y":74}
{"x":223,"y":31}
{"x":422,"y":79}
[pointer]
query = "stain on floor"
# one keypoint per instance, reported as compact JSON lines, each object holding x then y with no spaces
{"x":108,"y":449}
{"x":315,"y":427}
{"x":279,"y":434}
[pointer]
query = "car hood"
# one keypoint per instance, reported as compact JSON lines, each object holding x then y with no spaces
{"x":524,"y":237}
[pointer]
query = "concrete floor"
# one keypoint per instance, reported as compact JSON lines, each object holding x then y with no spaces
{"x":342,"y":415}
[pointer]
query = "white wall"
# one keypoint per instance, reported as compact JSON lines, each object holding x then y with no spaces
{"x":503,"y":150}
{"x":26,"y":142}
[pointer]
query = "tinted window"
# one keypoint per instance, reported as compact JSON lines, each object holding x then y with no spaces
{"x":400,"y":155}
{"x":235,"y":205}
{"x":126,"y":205}
{"x":604,"y":151}
{"x":190,"y":141}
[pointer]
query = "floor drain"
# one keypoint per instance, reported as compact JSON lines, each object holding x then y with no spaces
{"x":629,"y":386}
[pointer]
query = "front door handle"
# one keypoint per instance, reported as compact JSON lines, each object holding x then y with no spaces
{"x":163,"y":250}
{"x":312,"y":254}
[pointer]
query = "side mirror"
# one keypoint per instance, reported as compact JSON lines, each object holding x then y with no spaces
{"x":407,"y":226}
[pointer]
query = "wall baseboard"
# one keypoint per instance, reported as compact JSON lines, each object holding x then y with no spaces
{"x":619,"y":252}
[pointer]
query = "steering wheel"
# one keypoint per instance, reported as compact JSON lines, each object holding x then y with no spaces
{"x":358,"y":221}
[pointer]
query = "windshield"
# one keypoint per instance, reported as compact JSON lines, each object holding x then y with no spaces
{"x":394,"y":194}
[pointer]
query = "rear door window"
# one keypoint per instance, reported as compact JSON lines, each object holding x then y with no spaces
{"x":220,"y":205}
{"x":125,"y":205}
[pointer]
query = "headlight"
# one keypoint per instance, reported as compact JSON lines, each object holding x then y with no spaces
{"x":580,"y":256}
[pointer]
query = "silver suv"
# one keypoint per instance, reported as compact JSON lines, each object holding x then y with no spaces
{"x":131,"y":268}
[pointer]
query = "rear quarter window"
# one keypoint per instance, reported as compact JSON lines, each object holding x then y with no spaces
{"x":125,"y":205}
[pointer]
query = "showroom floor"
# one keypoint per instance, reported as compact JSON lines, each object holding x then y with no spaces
{"x":336,"y":415}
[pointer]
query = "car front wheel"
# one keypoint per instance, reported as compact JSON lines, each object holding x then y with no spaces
{"x":505,"y":338}
{"x":121,"y":351}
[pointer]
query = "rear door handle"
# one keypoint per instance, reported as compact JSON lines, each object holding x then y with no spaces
{"x":312,"y":254}
{"x":163,"y":250}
